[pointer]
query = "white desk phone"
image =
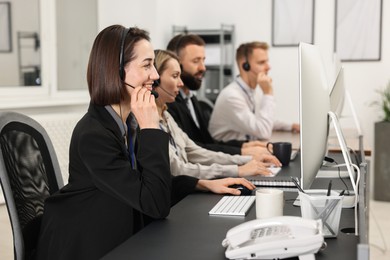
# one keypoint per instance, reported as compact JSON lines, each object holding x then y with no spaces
{"x":275,"y":238}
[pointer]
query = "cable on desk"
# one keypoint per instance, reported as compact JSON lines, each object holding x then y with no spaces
{"x":331,"y":160}
{"x":357,"y":161}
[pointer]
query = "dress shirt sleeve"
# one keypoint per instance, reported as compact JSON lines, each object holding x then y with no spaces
{"x":187,"y":158}
{"x":221,"y":147}
{"x":180,"y":167}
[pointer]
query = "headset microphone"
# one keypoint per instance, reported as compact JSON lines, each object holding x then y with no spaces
{"x":153,"y":92}
{"x":156,"y":83}
{"x":172,"y":95}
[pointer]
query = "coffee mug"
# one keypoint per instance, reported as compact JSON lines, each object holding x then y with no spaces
{"x":282,"y":151}
{"x":269,"y":203}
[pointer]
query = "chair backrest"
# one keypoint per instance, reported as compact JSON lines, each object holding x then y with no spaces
{"x":207,"y":108}
{"x":29,"y":173}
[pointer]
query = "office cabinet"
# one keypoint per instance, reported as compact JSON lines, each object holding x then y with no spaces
{"x":29,"y":58}
{"x":220,"y":58}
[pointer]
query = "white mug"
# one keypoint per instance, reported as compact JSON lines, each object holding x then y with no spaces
{"x":269,"y":203}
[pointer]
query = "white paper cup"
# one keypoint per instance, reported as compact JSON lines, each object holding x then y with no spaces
{"x":269,"y":203}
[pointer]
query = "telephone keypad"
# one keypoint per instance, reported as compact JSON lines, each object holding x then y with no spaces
{"x":270,"y":232}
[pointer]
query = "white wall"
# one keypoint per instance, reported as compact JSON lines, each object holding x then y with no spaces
{"x":23,"y":18}
{"x":253,"y":21}
{"x":76,"y":31}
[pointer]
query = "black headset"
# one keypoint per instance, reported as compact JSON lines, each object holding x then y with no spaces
{"x":156,"y":83}
{"x":122,"y":54}
{"x":246,"y":66}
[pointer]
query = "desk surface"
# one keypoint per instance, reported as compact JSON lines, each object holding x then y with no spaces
{"x":190,"y":233}
{"x":350,"y":136}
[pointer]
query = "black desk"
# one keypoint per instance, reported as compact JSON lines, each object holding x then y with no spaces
{"x":190,"y":233}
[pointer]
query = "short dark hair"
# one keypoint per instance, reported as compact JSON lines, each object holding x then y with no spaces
{"x":246,"y":49}
{"x":104,"y":83}
{"x":180,"y":41}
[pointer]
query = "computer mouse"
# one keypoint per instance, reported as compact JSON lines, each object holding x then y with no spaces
{"x":244,"y":190}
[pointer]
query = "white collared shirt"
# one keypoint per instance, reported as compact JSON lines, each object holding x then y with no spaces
{"x":187,"y":99}
{"x":242,"y":113}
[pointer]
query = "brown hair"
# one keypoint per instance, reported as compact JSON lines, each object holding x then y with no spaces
{"x":104,"y":83}
{"x":246,"y":49}
{"x":180,"y":41}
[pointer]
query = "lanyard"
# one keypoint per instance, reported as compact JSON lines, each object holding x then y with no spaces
{"x":250,"y":100}
{"x":248,"y":95}
{"x":131,"y":146}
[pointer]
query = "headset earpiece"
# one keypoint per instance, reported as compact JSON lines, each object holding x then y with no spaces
{"x":246,"y":66}
{"x":122,"y":54}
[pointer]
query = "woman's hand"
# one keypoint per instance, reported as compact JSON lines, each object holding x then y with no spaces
{"x":221,"y":186}
{"x":261,"y":154}
{"x":143,"y":106}
{"x":270,"y":159}
{"x":254,"y":143}
{"x":254,"y":167}
{"x":255,"y":151}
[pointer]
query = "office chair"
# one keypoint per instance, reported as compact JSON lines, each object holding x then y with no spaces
{"x":207,"y":108}
{"x":29,"y":173}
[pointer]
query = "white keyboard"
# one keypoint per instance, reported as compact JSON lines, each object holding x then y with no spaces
{"x":274,"y":171}
{"x":233,"y":206}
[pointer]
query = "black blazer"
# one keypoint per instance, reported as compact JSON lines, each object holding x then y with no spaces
{"x":105,"y":201}
{"x":201,"y":135}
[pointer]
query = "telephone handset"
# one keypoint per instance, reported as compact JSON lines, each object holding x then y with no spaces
{"x":278,"y":237}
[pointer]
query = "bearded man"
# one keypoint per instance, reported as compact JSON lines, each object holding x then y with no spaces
{"x":186,"y":111}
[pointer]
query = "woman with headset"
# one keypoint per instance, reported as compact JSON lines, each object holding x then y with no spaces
{"x":185,"y":156}
{"x":119,"y":169}
{"x":110,"y":191}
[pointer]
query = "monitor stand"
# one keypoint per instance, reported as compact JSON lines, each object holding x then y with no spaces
{"x":344,"y":149}
{"x":348,"y":163}
{"x":351,"y":200}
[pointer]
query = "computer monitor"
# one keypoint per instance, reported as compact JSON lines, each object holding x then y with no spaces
{"x":337,"y":94}
{"x":315,"y":114}
{"x":336,"y":65}
{"x":314,"y":105}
